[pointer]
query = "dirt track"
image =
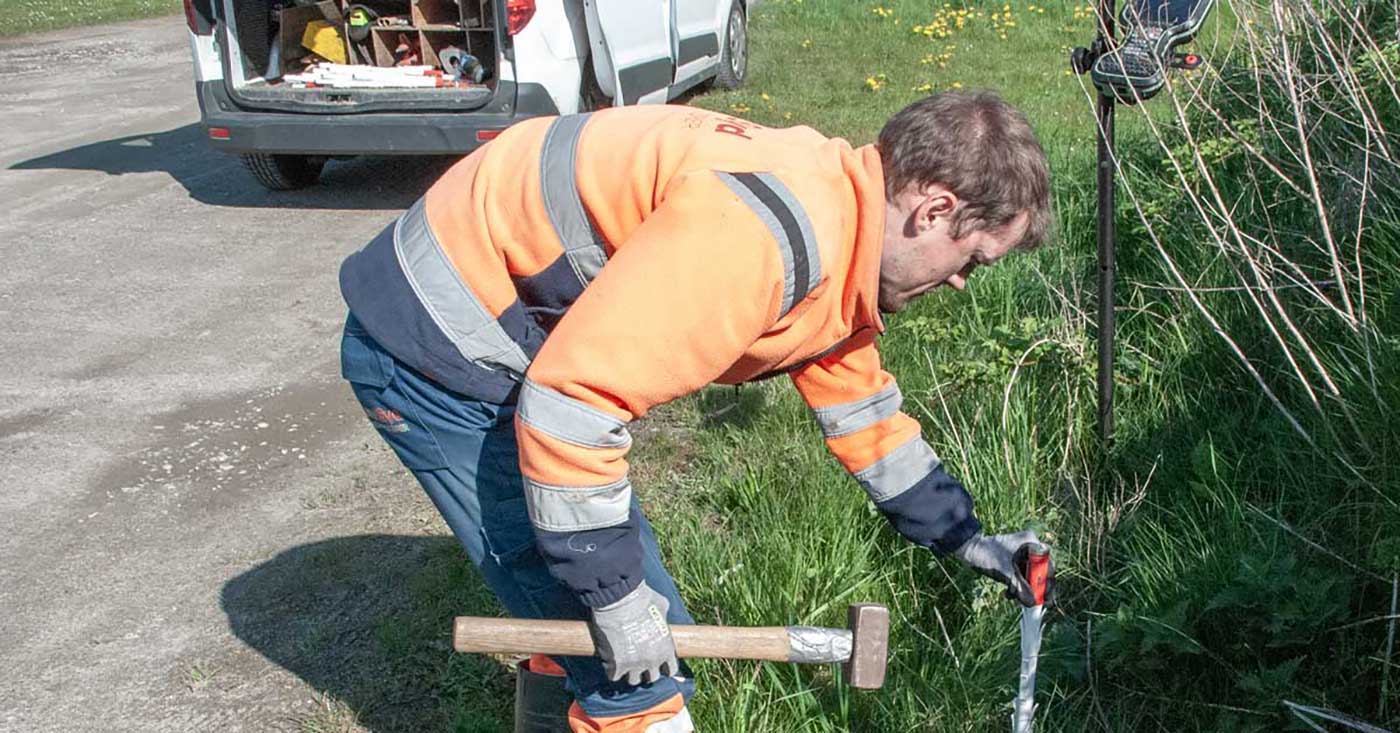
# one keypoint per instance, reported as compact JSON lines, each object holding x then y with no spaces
{"x":200,"y":530}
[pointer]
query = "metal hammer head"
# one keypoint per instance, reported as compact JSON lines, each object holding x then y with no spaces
{"x":870,"y":637}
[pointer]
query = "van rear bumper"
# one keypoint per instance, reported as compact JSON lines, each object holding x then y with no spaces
{"x":375,"y":133}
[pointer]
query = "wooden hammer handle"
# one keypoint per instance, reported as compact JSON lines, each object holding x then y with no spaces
{"x":570,"y":638}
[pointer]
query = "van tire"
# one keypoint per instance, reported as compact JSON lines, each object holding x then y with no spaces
{"x":284,"y":172}
{"x":734,"y":50}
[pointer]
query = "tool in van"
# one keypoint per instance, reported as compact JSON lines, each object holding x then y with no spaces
{"x":461,"y":65}
{"x":406,"y":52}
{"x":359,"y":19}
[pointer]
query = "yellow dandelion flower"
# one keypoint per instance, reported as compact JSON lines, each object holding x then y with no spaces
{"x":957,"y":85}
{"x":806,"y":43}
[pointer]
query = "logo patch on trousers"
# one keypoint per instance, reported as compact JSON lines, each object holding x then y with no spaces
{"x":387,"y":420}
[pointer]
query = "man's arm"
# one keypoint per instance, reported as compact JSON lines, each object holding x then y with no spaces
{"x":695,"y":286}
{"x":858,"y":406}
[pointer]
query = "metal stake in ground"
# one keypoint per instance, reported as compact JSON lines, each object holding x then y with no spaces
{"x":862,"y":648}
{"x":1036,"y":572}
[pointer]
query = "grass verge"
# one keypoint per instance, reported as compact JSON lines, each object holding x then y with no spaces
{"x":30,"y":16}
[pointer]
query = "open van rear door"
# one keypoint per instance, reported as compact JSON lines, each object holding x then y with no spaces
{"x":634,"y":38}
{"x":699,"y":26}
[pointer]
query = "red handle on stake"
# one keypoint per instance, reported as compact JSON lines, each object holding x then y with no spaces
{"x":1038,"y":571}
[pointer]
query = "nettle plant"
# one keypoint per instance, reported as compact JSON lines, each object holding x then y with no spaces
{"x":966,"y":356}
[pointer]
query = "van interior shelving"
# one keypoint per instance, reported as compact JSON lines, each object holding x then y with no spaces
{"x":266,"y":46}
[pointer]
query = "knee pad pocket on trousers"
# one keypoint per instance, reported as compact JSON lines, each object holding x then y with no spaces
{"x":505,"y":525}
{"x":378,"y":387}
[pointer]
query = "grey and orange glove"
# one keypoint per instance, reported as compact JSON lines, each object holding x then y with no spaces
{"x":1002,"y":558}
{"x":633,"y":638}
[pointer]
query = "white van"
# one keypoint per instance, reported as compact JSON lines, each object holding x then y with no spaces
{"x":524,"y":58}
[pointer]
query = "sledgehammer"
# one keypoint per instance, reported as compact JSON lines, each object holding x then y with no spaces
{"x":862,"y":648}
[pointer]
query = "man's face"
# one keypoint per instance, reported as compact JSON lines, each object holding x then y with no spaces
{"x":920,"y":253}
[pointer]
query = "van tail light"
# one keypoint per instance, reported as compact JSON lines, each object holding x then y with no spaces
{"x":198,"y":23}
{"x":518,"y":13}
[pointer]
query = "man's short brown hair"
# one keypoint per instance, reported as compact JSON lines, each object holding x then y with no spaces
{"x":980,"y":148}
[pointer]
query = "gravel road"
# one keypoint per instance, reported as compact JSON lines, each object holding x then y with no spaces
{"x":201,"y":532}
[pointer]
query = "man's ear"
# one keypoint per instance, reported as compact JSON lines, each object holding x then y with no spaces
{"x":938,"y":202}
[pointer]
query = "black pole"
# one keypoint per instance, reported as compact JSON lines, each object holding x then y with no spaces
{"x":1107,"y":236}
{"x":1107,"y":242}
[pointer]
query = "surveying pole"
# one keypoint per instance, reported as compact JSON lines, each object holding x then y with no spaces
{"x":1127,"y":73}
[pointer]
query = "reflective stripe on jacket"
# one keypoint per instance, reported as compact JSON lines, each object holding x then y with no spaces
{"x":595,"y":266}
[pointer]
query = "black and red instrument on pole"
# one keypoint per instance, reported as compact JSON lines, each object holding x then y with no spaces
{"x":1128,"y":72}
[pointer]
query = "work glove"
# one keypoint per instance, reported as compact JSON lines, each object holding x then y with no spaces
{"x":633,"y":638}
{"x":1003,"y":558}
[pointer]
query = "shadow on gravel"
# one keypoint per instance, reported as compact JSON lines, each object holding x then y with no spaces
{"x":367,"y":622}
{"x":216,"y":178}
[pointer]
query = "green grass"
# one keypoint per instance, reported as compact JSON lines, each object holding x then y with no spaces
{"x":30,"y":16}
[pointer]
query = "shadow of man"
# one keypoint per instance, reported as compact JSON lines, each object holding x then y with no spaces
{"x":738,"y":407}
{"x":213,"y":177}
{"x":367,"y":620}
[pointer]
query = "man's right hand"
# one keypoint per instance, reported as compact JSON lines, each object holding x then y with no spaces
{"x":633,"y":638}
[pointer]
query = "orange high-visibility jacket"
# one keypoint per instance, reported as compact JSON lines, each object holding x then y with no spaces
{"x":595,"y":266}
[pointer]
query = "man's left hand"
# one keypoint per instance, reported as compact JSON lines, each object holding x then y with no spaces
{"x":998,"y":557}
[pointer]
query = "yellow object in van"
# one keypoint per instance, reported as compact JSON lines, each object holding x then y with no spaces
{"x":323,"y":39}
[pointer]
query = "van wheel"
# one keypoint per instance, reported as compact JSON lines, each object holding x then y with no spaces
{"x":284,"y":172}
{"x":734,"y":50}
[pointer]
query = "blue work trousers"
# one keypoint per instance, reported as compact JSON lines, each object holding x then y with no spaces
{"x":463,"y":453}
